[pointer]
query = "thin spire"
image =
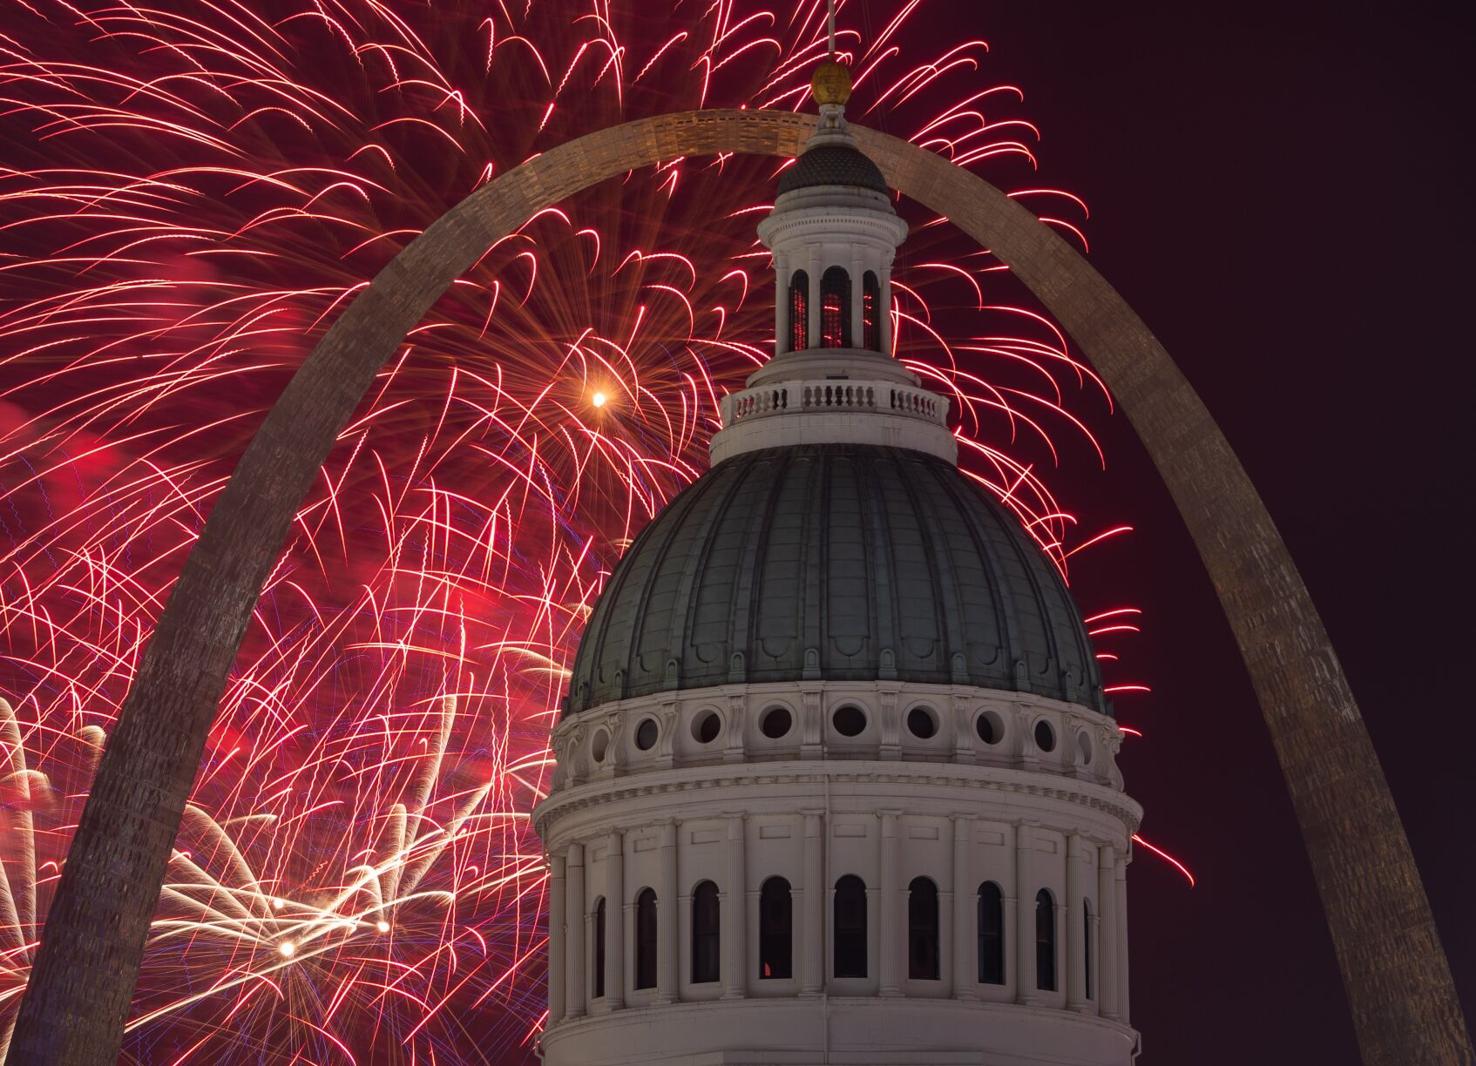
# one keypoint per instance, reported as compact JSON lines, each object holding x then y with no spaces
{"x":830,"y":25}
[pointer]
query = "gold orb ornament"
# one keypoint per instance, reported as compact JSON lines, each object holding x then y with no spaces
{"x":831,"y":83}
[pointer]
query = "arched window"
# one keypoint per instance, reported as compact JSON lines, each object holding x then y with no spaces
{"x":870,"y":312}
{"x":799,"y":311}
{"x":850,"y":927}
{"x":776,"y":913}
{"x":1086,"y":942}
{"x":1045,"y":941}
{"x":645,"y":939}
{"x":835,"y":308}
{"x":991,"y":934}
{"x":706,"y":933}
{"x":599,"y":946}
{"x":922,"y":930}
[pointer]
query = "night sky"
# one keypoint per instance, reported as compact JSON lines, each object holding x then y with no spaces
{"x":1284,"y":195}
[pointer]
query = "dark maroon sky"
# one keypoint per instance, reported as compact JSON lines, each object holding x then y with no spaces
{"x":1283,"y":191}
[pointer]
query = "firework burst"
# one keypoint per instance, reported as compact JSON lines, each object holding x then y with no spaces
{"x":196,"y":191}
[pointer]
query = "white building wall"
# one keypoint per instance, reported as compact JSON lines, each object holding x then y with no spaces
{"x":812,"y":806}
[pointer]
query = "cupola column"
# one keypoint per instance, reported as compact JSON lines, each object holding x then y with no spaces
{"x":812,"y":972}
{"x":615,"y":908}
{"x":1122,"y":939}
{"x":735,"y":912}
{"x":1074,"y":909}
{"x":965,"y":934}
{"x":781,"y":304}
{"x":814,"y":266}
{"x":666,"y":917}
{"x":858,"y":297}
{"x":1025,"y":991}
{"x":577,"y":941}
{"x":884,"y":310}
{"x":890,"y":917}
{"x":1107,"y":930}
{"x":556,"y":919}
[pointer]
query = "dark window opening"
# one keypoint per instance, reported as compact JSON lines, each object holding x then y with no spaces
{"x":645,"y":939}
{"x":1045,"y":736}
{"x":991,"y":934}
{"x":775,"y":723}
{"x":835,"y":309}
{"x":870,"y":312}
{"x":921,"y":723}
{"x":1086,"y":940}
{"x":849,"y":721}
{"x":850,"y":927}
{"x":922,"y":930}
{"x":1045,"y":941}
{"x":799,"y":311}
{"x":776,"y":921}
{"x":706,"y":933}
{"x":599,"y":946}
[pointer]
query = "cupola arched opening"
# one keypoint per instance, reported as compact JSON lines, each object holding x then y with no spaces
{"x":599,"y":948}
{"x":706,"y":933}
{"x":922,"y":930}
{"x":835,"y":308}
{"x":645,"y":938}
{"x":850,"y":927}
{"x":991,"y":934}
{"x":776,"y":930}
{"x":1045,"y":941}
{"x":799,"y":311}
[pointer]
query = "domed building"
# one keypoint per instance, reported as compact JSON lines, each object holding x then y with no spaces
{"x":835,"y":776}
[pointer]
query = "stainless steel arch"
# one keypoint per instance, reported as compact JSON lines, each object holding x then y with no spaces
{"x":1399,"y":984}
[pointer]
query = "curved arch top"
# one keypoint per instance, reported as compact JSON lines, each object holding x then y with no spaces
{"x":1399,"y":984}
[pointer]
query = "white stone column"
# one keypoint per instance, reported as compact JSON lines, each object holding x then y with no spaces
{"x":781,"y":304}
{"x":556,"y":918}
{"x":812,"y":964}
{"x":1025,"y":990}
{"x":576,"y":979}
{"x":812,"y":297}
{"x":1075,"y":971}
{"x":890,"y":918}
{"x":734,"y":941}
{"x":885,"y":310}
{"x":666,"y":917}
{"x":1107,"y":926}
{"x":858,"y":272}
{"x":965,"y":938}
{"x":615,"y":906}
{"x":1009,"y":924}
{"x":1122,"y":938}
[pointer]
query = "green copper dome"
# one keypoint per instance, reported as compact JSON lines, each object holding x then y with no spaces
{"x":837,"y":562}
{"x":833,"y":164}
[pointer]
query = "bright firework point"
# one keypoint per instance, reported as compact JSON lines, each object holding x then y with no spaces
{"x":599,"y":399}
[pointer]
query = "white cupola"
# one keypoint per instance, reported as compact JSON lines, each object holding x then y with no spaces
{"x":833,"y":234}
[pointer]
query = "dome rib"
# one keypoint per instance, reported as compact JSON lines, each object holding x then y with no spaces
{"x":834,"y":562}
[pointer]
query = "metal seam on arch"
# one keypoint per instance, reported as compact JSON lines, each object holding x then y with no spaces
{"x":1400,"y":989}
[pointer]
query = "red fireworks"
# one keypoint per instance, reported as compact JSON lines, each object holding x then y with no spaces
{"x":194,"y":191}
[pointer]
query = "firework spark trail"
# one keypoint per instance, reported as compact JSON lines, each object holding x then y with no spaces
{"x":197,"y":190}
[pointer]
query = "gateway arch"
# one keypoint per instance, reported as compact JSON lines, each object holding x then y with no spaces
{"x":1398,"y":982}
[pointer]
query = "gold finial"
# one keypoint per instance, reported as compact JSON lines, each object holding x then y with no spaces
{"x":831,"y":83}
